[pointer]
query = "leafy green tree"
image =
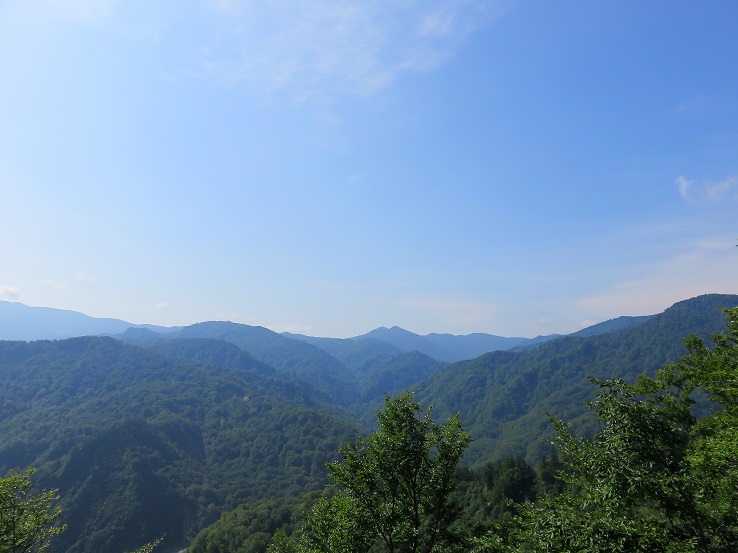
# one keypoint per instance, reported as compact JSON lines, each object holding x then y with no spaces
{"x":394,"y":488}
{"x":250,"y":527}
{"x":657,"y":477}
{"x":332,"y":525}
{"x":26,"y":520}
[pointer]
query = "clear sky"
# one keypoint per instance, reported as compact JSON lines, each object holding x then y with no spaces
{"x":331,"y":166}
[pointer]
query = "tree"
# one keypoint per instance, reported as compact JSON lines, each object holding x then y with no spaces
{"x":658,"y":476}
{"x":26,"y":520}
{"x":393,"y":488}
{"x":332,"y":525}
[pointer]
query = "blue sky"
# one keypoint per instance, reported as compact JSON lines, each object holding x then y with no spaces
{"x":330,"y":166}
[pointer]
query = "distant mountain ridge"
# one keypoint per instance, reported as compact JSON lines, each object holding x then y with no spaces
{"x":22,"y":322}
{"x":448,"y":348}
{"x":148,"y":433}
{"x":445,"y":347}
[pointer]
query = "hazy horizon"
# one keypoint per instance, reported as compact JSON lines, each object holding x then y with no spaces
{"x":517,"y":168}
{"x":367,"y":331}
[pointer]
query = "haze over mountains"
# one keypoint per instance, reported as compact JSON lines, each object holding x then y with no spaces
{"x":22,"y":322}
{"x":157,"y":431}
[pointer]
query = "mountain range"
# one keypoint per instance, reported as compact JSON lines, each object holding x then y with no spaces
{"x":23,"y":322}
{"x":151,"y":430}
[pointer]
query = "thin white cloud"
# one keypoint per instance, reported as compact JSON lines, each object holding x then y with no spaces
{"x":707,"y":266}
{"x":307,"y":47}
{"x":684,"y":185}
{"x":301,"y":49}
{"x":724,"y":189}
{"x":8,"y":292}
{"x":720,"y":191}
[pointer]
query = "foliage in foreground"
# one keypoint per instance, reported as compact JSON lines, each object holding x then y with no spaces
{"x":26,"y":520}
{"x":393,"y":488}
{"x":483,"y":496}
{"x":662,"y":475}
{"x":657,"y":478}
{"x":249,"y":528}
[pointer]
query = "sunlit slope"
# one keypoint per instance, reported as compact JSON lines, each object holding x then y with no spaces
{"x":504,"y":397}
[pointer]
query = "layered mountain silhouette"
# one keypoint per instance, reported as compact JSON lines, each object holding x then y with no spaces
{"x":22,"y":322}
{"x":157,"y":431}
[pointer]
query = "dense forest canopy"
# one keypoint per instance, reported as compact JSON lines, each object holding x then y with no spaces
{"x":147,"y":435}
{"x":140,"y":444}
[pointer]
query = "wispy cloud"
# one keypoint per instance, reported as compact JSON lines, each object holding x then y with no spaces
{"x":302,"y":49}
{"x":8,"y":292}
{"x":720,"y":191}
{"x":683,"y":186}
{"x":306,"y":47}
{"x":708,"y":265}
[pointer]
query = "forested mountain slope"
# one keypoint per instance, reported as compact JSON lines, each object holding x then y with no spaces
{"x":504,"y":397}
{"x":292,"y":357}
{"x":367,"y":368}
{"x":396,"y":374}
{"x":141,"y":444}
{"x":618,"y":323}
{"x":228,"y":355}
{"x":358,"y":354}
{"x":161,"y":434}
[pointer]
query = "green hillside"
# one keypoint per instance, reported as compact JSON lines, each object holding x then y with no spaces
{"x":163,"y":435}
{"x":354,"y":353}
{"x":291,"y":357}
{"x":504,"y":397}
{"x":141,"y":444}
